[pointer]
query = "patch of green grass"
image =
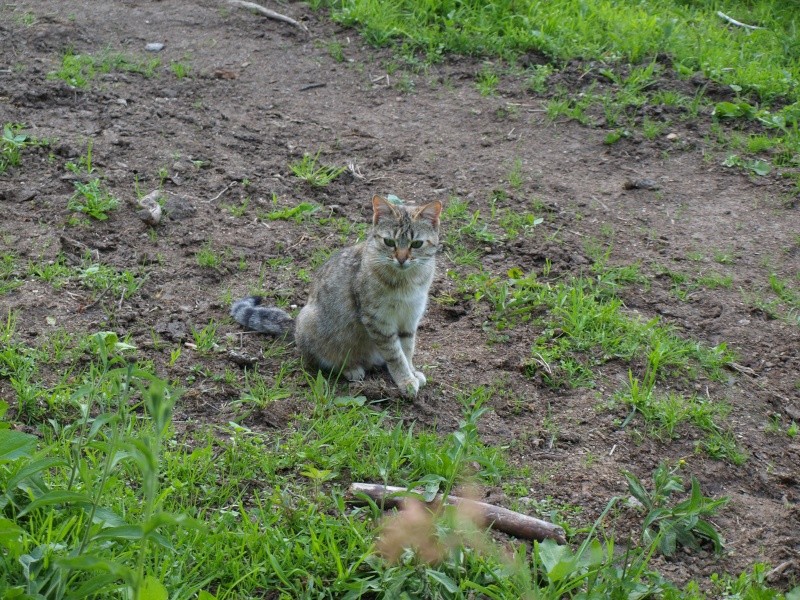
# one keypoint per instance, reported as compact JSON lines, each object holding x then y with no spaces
{"x":103,"y":278}
{"x":336,"y":51}
{"x":652,"y":129}
{"x":486,"y":81}
{"x":79,"y":70}
{"x":97,"y":277}
{"x":238,"y":210}
{"x":722,"y":445}
{"x":515,"y":223}
{"x":313,"y":173}
{"x":515,"y":175}
{"x":724,"y":257}
{"x":9,"y":279}
{"x":759,"y":66}
{"x":762,"y":61}
{"x":684,"y":285}
{"x":260,"y":392}
{"x":784,"y":290}
{"x":779,"y":300}
{"x":583,"y":325}
{"x":665,"y":413}
{"x":92,"y":199}
{"x":180,"y":69}
{"x":205,"y":338}
{"x":465,"y":228}
{"x":12,"y":143}
{"x":537,"y":77}
{"x":98,"y":503}
{"x":84,"y":165}
{"x":208,"y":257}
{"x":296,"y":213}
{"x":55,"y":272}
{"x":319,"y":256}
{"x":26,"y":19}
{"x":755,"y":166}
{"x":563,"y":106}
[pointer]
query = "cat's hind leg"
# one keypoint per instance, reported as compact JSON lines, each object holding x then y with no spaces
{"x":349,"y":372}
{"x":355,"y":374}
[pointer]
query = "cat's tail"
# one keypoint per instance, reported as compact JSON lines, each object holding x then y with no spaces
{"x":266,"y":319}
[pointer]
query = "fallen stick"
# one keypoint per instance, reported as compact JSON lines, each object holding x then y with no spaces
{"x":497,"y":517}
{"x":733,"y":21}
{"x":270,"y":14}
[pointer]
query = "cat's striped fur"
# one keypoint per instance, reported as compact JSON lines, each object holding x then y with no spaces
{"x":366,"y":301}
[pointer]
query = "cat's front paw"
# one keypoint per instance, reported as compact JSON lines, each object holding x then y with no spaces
{"x":421,"y":378}
{"x":409,"y":387}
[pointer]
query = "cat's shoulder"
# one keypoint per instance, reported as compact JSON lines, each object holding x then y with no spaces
{"x":346,"y":260}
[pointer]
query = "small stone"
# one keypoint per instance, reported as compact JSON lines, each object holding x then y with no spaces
{"x":178,"y":208}
{"x":242,"y":359}
{"x":641,"y":184}
{"x":151,"y":208}
{"x":672,"y":136}
{"x":154,"y":47}
{"x":173,"y":330}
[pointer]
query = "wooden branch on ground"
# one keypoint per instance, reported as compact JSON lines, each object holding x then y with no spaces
{"x":733,"y":21}
{"x":270,"y":14}
{"x":497,"y":517}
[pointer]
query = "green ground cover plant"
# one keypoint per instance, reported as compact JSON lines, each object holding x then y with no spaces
{"x":79,"y":70}
{"x":758,"y":62}
{"x":9,"y":279}
{"x":12,"y":143}
{"x":583,"y":325}
{"x":763,"y":61}
{"x":98,"y":505}
{"x":313,"y":172}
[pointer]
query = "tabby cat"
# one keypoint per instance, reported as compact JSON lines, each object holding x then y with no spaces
{"x":366,"y":300}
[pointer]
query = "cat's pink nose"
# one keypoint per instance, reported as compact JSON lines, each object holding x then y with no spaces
{"x":401,"y":256}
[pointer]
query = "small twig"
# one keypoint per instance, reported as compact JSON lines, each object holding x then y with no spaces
{"x":311,"y":86}
{"x":741,"y":369}
{"x":96,"y":301}
{"x":270,"y":14}
{"x":355,"y":171}
{"x":732,"y":21}
{"x":543,"y":363}
{"x":530,"y":107}
{"x":121,"y":300}
{"x":227,"y":187}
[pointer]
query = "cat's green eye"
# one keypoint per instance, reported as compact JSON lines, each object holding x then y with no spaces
{"x":416,"y":244}
{"x":389,"y":242}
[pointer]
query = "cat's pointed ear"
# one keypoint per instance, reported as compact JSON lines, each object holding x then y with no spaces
{"x":382,"y":209}
{"x":430,"y":212}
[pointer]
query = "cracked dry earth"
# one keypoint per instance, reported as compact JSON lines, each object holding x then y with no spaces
{"x":259,"y":95}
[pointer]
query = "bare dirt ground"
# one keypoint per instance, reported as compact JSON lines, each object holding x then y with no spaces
{"x":229,"y":131}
